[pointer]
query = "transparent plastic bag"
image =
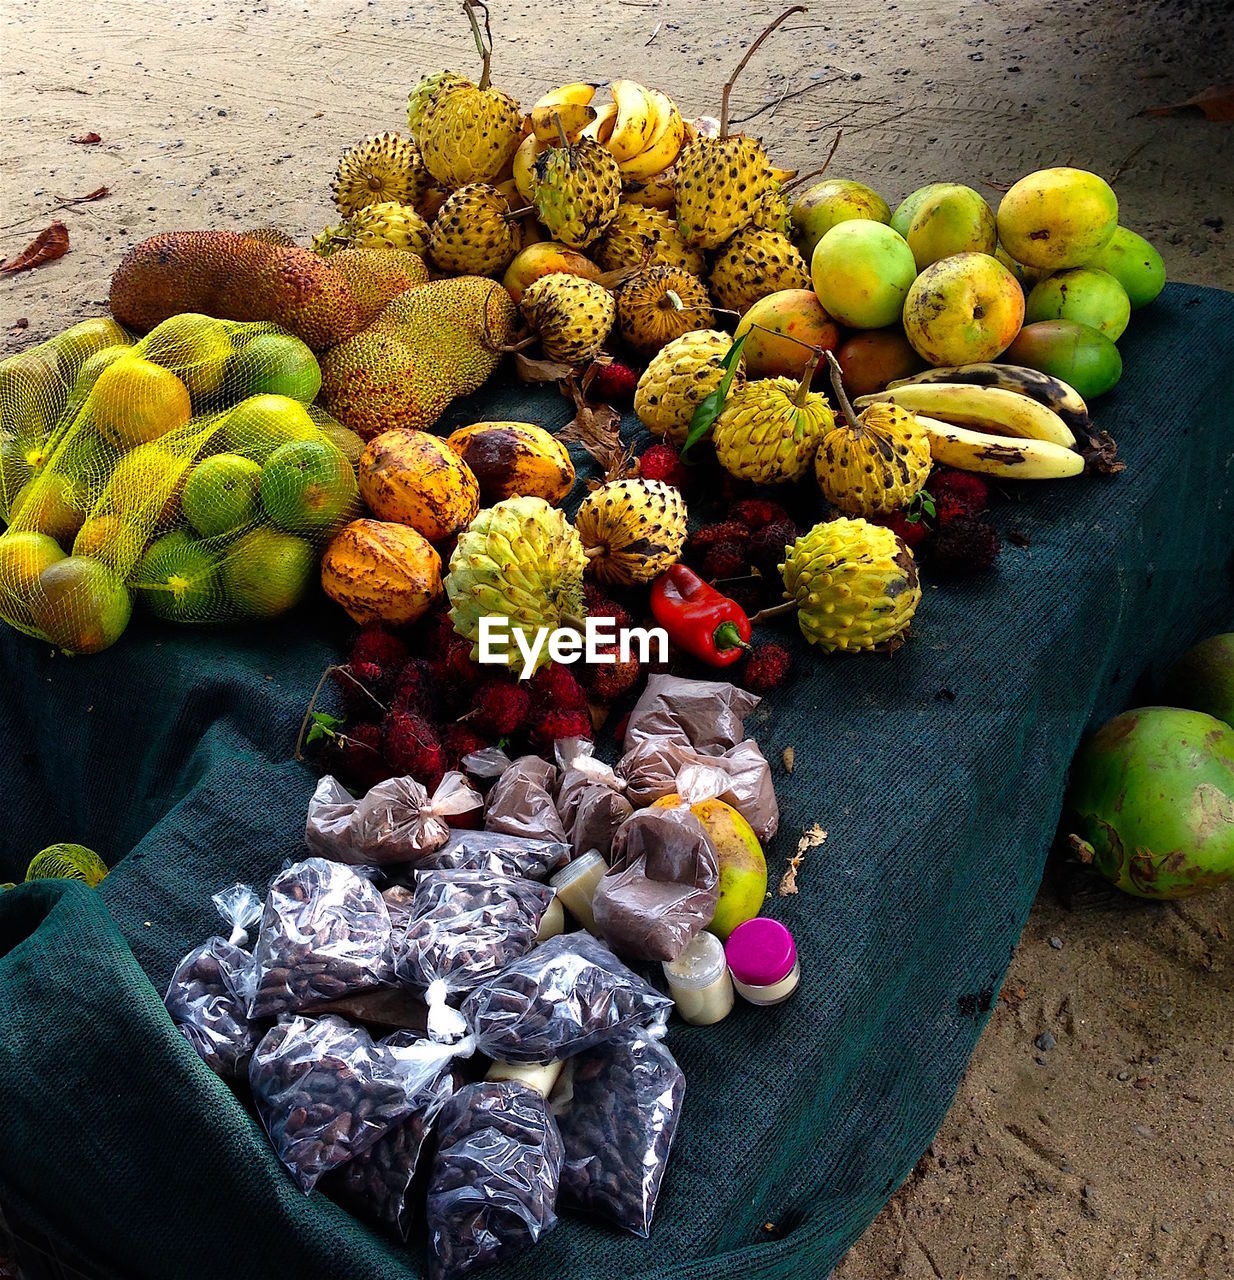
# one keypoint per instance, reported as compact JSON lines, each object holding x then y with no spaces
{"x":521,"y":801}
{"x":326,"y":1093}
{"x":568,"y":995}
{"x":467,"y":926}
{"x":531,"y":858}
{"x":495,"y":1177}
{"x":377,"y":1184}
{"x":189,"y":474}
{"x":239,"y":907}
{"x":325,"y":932}
{"x":618,"y":1107}
{"x":706,"y":715}
{"x":590,"y":799}
{"x":207,"y":999}
{"x":396,"y":821}
{"x":662,"y":885}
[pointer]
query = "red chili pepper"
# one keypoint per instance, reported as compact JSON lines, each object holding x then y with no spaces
{"x":698,"y":618}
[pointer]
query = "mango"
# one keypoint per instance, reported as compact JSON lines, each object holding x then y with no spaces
{"x":198,"y":350}
{"x":23,"y":557}
{"x":1085,"y":294}
{"x":952,"y":220}
{"x":79,"y":342}
{"x":135,"y":400}
{"x":33,"y":391}
{"x":830,"y":202}
{"x":80,"y":605}
{"x":869,"y":361}
{"x":1134,"y":263}
{"x":1057,"y":218}
{"x":906,"y":210}
{"x":862,"y":272}
{"x":15,"y":473}
{"x":1202,"y":679}
{"x":782,"y":327}
{"x":1076,"y":353}
{"x":545,"y":258}
{"x":53,"y":504}
{"x":1027,"y":276}
{"x":963,"y":310}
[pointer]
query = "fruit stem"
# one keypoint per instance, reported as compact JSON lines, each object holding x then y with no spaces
{"x":772,"y":612}
{"x":741,"y":66}
{"x":803,"y":391}
{"x":797,"y":179}
{"x":671,"y":301}
{"x":486,"y":49}
{"x":726,"y":636}
{"x":593,"y":553}
{"x":574,"y":621}
{"x":561,"y":130}
{"x":837,"y":382}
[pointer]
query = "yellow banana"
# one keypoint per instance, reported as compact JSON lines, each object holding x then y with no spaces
{"x":635,"y":120}
{"x":601,"y":128}
{"x":781,"y":176}
{"x":987,"y":408}
{"x":665,"y":143}
{"x":574,"y":117}
{"x":524,"y":166}
{"x":993,"y":455}
{"x":1052,"y":392}
{"x":577,"y":94}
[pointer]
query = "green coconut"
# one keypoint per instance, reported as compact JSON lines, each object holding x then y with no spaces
{"x":1203,"y":679}
{"x":1151,"y":802}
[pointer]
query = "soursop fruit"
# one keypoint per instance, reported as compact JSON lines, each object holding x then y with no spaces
{"x":769,"y":431}
{"x":678,"y":378}
{"x":632,"y":530}
{"x":577,"y":191}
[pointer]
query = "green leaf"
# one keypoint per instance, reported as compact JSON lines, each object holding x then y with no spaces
{"x":921,"y":505}
{"x":708,"y":409}
{"x":324,"y":726}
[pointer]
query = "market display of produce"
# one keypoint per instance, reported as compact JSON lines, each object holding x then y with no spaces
{"x":517,"y":852}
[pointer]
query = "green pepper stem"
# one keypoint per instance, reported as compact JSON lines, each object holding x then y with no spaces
{"x":726,"y":636}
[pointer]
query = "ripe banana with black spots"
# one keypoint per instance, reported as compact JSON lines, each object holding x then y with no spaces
{"x":1052,"y":392}
{"x":573,"y":116}
{"x":636,"y":119}
{"x":577,"y":94}
{"x":992,"y":455}
{"x":986,"y":408}
{"x":664,"y":145}
{"x":601,"y":128}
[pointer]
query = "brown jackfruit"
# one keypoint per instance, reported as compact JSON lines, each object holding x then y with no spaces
{"x":376,"y":276}
{"x":428,"y":346}
{"x":233,"y":277}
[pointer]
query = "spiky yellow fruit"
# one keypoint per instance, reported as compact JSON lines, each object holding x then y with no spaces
{"x":679,"y":378}
{"x":577,"y":191}
{"x":521,"y":560}
{"x":469,"y":133}
{"x":388,"y":226}
{"x":382,"y":169}
{"x":472,"y":233}
{"x":769,"y":430}
{"x":425,"y":91}
{"x":638,"y":235}
{"x":855,"y":585}
{"x":721,"y":185}
{"x":571,"y":316}
{"x":330,"y":240}
{"x":771,"y":211}
{"x":657,"y":304}
{"x":632,"y":530}
{"x":653,"y":193}
{"x":753,"y":264}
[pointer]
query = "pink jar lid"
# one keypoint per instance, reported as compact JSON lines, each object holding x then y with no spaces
{"x":761,"y":952}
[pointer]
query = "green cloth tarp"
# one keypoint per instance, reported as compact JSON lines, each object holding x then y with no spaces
{"x":937,"y":774}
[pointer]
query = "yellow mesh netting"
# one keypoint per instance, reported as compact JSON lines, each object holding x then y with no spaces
{"x":188,"y":474}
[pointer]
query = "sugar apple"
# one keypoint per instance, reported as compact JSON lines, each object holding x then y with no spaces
{"x":678,"y":378}
{"x":632,"y":530}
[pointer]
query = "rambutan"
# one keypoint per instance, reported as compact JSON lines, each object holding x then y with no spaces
{"x":758,"y":513}
{"x":411,"y":745}
{"x":555,"y":688}
{"x":707,"y":535}
{"x":461,"y":739}
{"x":914,"y":533}
{"x":608,"y":681}
{"x":355,"y":755}
{"x":767,"y":546}
{"x":957,"y":493}
{"x":725,"y":560}
{"x":378,"y":646}
{"x":766,"y":668}
{"x":500,"y":707}
{"x":437,"y":634}
{"x":416,"y":688}
{"x":552,"y":726}
{"x":966,"y":545}
{"x":598,"y":605}
{"x":612,"y":382}
{"x":663,"y":462}
{"x":365,"y":688}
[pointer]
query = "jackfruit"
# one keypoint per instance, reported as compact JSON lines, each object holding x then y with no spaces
{"x":233,"y":277}
{"x":375,"y":276}
{"x":426,"y":347}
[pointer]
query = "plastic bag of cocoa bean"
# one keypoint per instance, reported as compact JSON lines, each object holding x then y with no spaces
{"x":494,"y":1178}
{"x":468,"y":925}
{"x":662,"y":886}
{"x":395,"y":821}
{"x":521,"y":801}
{"x":533,"y":859}
{"x":568,"y":995}
{"x":377,"y":1184}
{"x":207,"y":999}
{"x":617,"y":1107}
{"x":325,"y":932}
{"x":706,"y":715}
{"x":590,"y":800}
{"x":326,"y":1092}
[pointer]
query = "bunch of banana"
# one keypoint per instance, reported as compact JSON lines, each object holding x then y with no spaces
{"x":988,"y":427}
{"x":642,"y":128}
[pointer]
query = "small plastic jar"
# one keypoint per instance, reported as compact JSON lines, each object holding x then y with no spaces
{"x":552,"y":922}
{"x":762,"y":958}
{"x":541,"y":1079}
{"x":699,"y":982}
{"x":576,"y":886}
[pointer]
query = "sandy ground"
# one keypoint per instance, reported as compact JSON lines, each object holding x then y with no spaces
{"x":1093,"y":1136}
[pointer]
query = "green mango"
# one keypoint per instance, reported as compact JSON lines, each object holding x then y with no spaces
{"x":1077,"y":353}
{"x":1134,"y":263}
